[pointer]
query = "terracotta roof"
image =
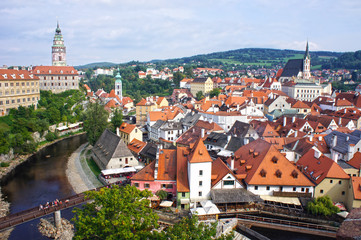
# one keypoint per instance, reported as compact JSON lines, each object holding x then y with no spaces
{"x":189,"y":137}
{"x":300,"y":104}
{"x":167,"y":164}
{"x":182,"y":169}
{"x":356,"y":186}
{"x":136,"y":145}
{"x":235,"y":100}
{"x":317,"y":169}
{"x":265,"y":165}
{"x":146,"y":174}
{"x":208,"y":126}
{"x":355,"y":161}
{"x":219,"y":171}
{"x":165,"y":114}
{"x":264,"y":129}
{"x":112,"y":104}
{"x":54,"y":70}
{"x":342,"y":103}
{"x":11,"y":74}
{"x":112,"y":94}
{"x":127,"y":128}
{"x":87,"y":87}
{"x":199,"y":153}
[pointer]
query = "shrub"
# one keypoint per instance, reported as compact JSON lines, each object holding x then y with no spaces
{"x":50,"y":136}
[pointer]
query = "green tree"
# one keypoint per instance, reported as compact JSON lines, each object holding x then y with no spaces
{"x":177,"y":77}
{"x":199,"y":95}
{"x":95,"y":121}
{"x":116,"y":213}
{"x":161,"y":194}
{"x":191,"y":228}
{"x":215,"y":92}
{"x":322,"y":206}
{"x":117,"y":119}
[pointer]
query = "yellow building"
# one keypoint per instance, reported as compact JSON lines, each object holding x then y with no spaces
{"x":147,"y":105}
{"x":204,"y":85}
{"x":17,"y":88}
{"x":57,"y":78}
{"x":128,"y":132}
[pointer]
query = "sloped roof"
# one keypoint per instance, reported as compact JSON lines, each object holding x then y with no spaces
{"x":300,"y":104}
{"x":292,"y":68}
{"x":235,"y":143}
{"x":146,"y":174}
{"x":234,"y":195}
{"x":343,"y":141}
{"x":182,"y":169}
{"x":199,"y":80}
{"x":239,"y":129}
{"x":136,"y":145}
{"x":54,"y":70}
{"x":355,"y":161}
{"x":356,"y":187}
{"x":265,"y":165}
{"x":11,"y":74}
{"x":208,"y":126}
{"x":167,"y":164}
{"x":317,"y":169}
{"x":127,"y":128}
{"x":109,"y":146}
{"x":199,"y":153}
{"x":220,"y":170}
{"x":216,"y":139}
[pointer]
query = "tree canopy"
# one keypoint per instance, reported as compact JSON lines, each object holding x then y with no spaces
{"x":95,"y":121}
{"x":322,"y":206}
{"x":117,"y":119}
{"x":124,"y":213}
{"x":116,"y":213}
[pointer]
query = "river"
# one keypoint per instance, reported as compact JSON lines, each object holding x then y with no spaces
{"x":39,"y":180}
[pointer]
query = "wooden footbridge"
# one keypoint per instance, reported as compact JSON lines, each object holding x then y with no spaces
{"x":286,"y":225}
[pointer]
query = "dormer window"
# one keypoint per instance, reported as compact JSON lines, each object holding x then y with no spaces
{"x":263,"y":173}
{"x":294,"y":174}
{"x":274,"y":159}
{"x":49,"y":71}
{"x":13,"y":76}
{"x":38,"y":71}
{"x":278,"y":173}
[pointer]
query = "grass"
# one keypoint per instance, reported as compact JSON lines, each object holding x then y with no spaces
{"x":93,"y":166}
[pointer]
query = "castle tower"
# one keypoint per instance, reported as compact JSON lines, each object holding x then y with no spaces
{"x":58,"y":49}
{"x":306,"y":64}
{"x":118,"y":86}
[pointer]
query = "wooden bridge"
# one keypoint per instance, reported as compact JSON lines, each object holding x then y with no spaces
{"x":286,"y":225}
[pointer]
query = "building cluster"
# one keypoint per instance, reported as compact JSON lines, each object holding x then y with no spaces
{"x":269,"y":139}
{"x":21,"y":87}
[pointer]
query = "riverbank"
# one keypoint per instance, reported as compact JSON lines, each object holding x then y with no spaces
{"x":79,"y":175}
{"x":5,"y":172}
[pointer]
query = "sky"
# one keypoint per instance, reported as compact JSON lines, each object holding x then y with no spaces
{"x":120,"y":31}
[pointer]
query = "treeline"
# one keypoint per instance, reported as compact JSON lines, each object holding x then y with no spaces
{"x":349,"y":60}
{"x":133,"y":86}
{"x":16,"y":129}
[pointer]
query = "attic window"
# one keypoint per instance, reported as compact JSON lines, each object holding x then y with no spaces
{"x":251,"y":151}
{"x":248,"y":167}
{"x":294,"y":174}
{"x":242,"y":161}
{"x":200,"y":152}
{"x":278,"y":173}
{"x":263,"y":173}
{"x":255,"y":154}
{"x":274,"y":159}
{"x":5,"y":76}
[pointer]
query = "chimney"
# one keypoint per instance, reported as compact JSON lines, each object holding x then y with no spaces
{"x":319,"y":138}
{"x":118,"y":131}
{"x":228,"y":138}
{"x":202,"y":133}
{"x":317,"y":154}
{"x":232,"y":163}
{"x":334,"y":141}
{"x":296,"y":133}
{"x":311,"y":137}
{"x":339,"y":121}
{"x":245,"y":141}
{"x":293,"y":119}
{"x":284,"y":121}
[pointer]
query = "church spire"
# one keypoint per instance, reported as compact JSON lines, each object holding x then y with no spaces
{"x":307,"y":53}
{"x":58,"y":48}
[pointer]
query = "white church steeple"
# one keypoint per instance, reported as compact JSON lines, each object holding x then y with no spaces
{"x":118,"y":86}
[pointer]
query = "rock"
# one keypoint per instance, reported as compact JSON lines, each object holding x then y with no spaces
{"x":65,"y":232}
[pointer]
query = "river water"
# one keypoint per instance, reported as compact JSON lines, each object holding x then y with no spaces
{"x":39,"y":180}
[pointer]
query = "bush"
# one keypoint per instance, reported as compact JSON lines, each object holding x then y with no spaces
{"x":322,"y":206}
{"x":161,"y":194}
{"x":4,"y":164}
{"x":50,"y":136}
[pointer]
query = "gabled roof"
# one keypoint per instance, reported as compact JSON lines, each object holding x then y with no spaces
{"x":219,"y":171}
{"x":199,"y":153}
{"x":356,"y":187}
{"x":343,"y":141}
{"x":240,"y":129}
{"x":146,"y":174}
{"x":127,"y":128}
{"x":265,"y":165}
{"x":317,"y":169}
{"x":264,"y":129}
{"x":112,"y":104}
{"x":208,"y":126}
{"x":199,"y":80}
{"x":300,"y":104}
{"x":355,"y":161}
{"x":109,"y":146}
{"x":216,"y":139}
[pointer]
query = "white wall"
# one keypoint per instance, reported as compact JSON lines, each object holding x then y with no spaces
{"x":194,"y":178}
{"x":228,"y":177}
{"x":262,"y":190}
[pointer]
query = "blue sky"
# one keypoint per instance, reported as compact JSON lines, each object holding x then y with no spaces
{"x":124,"y":30}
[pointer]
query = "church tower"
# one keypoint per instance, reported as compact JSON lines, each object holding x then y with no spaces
{"x":58,"y":49}
{"x":118,"y":86}
{"x":306,"y":64}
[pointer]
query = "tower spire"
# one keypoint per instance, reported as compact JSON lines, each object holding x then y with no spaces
{"x":307,"y":53}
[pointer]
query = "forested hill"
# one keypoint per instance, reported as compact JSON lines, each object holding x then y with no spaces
{"x":254,"y":56}
{"x":349,"y":60}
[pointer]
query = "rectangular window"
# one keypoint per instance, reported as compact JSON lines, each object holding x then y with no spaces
{"x":331,"y":181}
{"x":146,"y":185}
{"x":200,"y":172}
{"x":339,"y":182}
{"x":268,"y":188}
{"x":169,"y":186}
{"x":255,"y":187}
{"x":200,"y":183}
{"x":200,"y":194}
{"x":321,"y":191}
{"x":183,"y":194}
{"x":228,"y":183}
{"x":294,"y":189}
{"x":136,"y":184}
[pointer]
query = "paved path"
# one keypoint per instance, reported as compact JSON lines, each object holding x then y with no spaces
{"x":80,"y":177}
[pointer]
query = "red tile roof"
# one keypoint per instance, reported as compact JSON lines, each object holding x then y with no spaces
{"x":11,"y":74}
{"x":146,"y":174}
{"x":199,"y":153}
{"x":182,"y":169}
{"x":219,"y":171}
{"x":167,"y":164}
{"x":127,"y":128}
{"x":356,"y":187}
{"x":136,"y":145}
{"x":54,"y":70}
